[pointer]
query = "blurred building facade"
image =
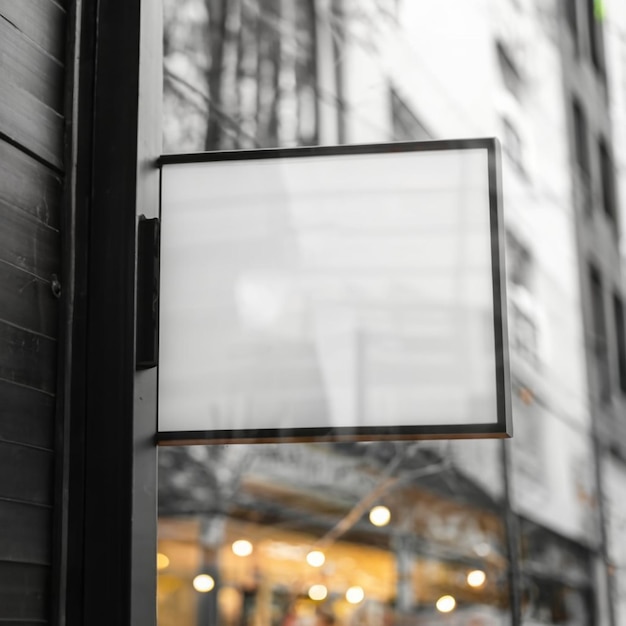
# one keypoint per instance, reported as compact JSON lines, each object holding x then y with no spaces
{"x":613,"y":465}
{"x":542,"y":514}
{"x":529,"y":531}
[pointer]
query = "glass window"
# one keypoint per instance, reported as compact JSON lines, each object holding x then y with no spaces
{"x":512,"y":144}
{"x":581,"y":150}
{"x":518,"y":262}
{"x":594,"y":29}
{"x":299,"y":534}
{"x":523,"y":331}
{"x":508,"y":70}
{"x":524,"y":334}
{"x":620,"y":334}
{"x":571,"y":15}
{"x":358,"y":534}
{"x":406,"y":126}
{"x":599,"y":344}
{"x":608,"y":183}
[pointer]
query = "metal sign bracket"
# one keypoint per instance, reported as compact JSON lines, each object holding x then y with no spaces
{"x":147,"y":327}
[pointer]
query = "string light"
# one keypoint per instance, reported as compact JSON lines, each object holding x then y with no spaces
{"x":318,"y":592}
{"x":476,"y":578}
{"x":354,"y":595}
{"x":446,"y":604}
{"x":242,"y":547}
{"x":380,"y":516}
{"x":203,"y":583}
{"x":315,"y":558}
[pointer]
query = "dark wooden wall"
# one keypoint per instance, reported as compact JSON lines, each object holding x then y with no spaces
{"x":32,"y":56}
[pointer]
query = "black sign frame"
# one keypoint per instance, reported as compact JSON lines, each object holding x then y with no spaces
{"x":502,"y":427}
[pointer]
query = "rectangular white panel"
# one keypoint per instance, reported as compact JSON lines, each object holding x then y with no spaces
{"x":313,"y":292}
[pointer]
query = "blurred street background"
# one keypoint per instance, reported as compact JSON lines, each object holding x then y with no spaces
{"x":471,"y":533}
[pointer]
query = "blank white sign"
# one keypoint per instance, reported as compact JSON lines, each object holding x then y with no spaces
{"x":310,"y":293}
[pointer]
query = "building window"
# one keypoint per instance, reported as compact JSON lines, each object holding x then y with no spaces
{"x":512,"y":144}
{"x":608,"y":183}
{"x":594,"y":27}
{"x":524,"y":334}
{"x":405,"y":125}
{"x":599,"y":342}
{"x":523,"y":327}
{"x":620,"y":335}
{"x":571,"y":16}
{"x":518,"y":262}
{"x":580,"y":138}
{"x":508,"y":69}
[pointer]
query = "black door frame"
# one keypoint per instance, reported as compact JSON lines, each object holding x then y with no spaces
{"x":105,"y":536}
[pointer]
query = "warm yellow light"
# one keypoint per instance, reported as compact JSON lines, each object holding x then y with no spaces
{"x":354,"y":595}
{"x":445,"y":604}
{"x":380,"y":516}
{"x":476,"y":578}
{"x":203,"y":583}
{"x":162,"y":561}
{"x":242,"y":547}
{"x":318,"y":592}
{"x":315,"y":558}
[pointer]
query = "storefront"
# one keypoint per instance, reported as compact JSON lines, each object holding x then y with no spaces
{"x":247,"y":535}
{"x":294,"y":547}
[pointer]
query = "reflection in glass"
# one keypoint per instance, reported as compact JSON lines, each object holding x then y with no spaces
{"x":380,"y":516}
{"x":446,"y":604}
{"x":265,"y":73}
{"x":287,"y":498}
{"x":203,"y":583}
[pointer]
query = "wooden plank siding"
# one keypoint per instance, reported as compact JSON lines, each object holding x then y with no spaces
{"x":30,"y":186}
{"x":24,"y":592}
{"x":30,"y":124}
{"x":28,"y":244}
{"x":27,"y":302}
{"x":27,"y":359}
{"x":26,"y":415}
{"x":34,"y":483}
{"x":32,"y":75}
{"x":27,"y":66}
{"x":42,"y":21}
{"x":27,"y":527}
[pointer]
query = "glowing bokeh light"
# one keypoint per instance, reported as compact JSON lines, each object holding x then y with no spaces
{"x":242,"y":547}
{"x":380,"y":516}
{"x":445,"y":604}
{"x":476,"y":578}
{"x":318,"y":592}
{"x":354,"y":595}
{"x":203,"y":583}
{"x":315,"y":558}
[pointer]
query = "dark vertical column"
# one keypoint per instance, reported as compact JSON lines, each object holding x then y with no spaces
{"x":111,"y":470}
{"x":512,"y":539}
